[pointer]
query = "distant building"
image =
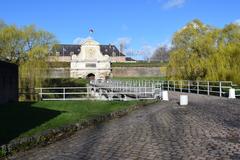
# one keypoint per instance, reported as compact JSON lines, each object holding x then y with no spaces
{"x":8,"y":82}
{"x":89,"y":59}
{"x":64,"y":52}
{"x":91,"y":62}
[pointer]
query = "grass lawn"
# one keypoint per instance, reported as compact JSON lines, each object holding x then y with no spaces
{"x":139,"y":78}
{"x":26,"y":118}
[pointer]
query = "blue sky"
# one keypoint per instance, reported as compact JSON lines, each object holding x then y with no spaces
{"x":142,"y":24}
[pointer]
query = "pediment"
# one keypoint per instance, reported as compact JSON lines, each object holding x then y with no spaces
{"x":90,"y":42}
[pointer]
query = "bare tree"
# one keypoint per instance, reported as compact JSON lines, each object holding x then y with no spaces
{"x":161,"y":54}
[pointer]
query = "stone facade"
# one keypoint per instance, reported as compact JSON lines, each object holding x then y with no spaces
{"x":8,"y":82}
{"x":117,"y":72}
{"x":90,"y":62}
{"x":139,"y":71}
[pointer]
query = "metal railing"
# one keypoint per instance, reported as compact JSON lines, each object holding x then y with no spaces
{"x":62,"y":93}
{"x":217,"y":88}
{"x":237,"y":91}
{"x":135,"y":89}
{"x":100,"y":92}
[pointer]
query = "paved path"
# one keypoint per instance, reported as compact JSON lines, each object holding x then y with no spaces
{"x":208,"y":128}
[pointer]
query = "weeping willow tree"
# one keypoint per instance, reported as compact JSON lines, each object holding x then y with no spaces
{"x":29,"y":48}
{"x":202,"y":52}
{"x":34,"y":70}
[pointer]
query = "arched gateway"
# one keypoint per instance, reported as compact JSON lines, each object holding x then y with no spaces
{"x":90,"y":62}
{"x":90,"y":76}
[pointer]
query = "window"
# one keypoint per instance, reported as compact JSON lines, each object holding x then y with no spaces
{"x":91,"y":65}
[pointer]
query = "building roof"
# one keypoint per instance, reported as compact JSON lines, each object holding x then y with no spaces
{"x":130,"y":59}
{"x":69,"y":49}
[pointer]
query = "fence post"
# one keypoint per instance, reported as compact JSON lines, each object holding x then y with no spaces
{"x":40,"y":93}
{"x":220,"y":89}
{"x":189,"y":88}
{"x":64,"y":94}
{"x":145,"y":88}
{"x":181,"y":84}
{"x":130,"y":87}
{"x":152,"y":89}
{"x":197,"y":87}
{"x":168,"y":85}
{"x":174,"y":86}
{"x":208,"y":88}
{"x":94,"y":86}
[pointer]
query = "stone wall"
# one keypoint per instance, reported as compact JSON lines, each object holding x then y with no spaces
{"x":117,"y":72}
{"x":59,"y":59}
{"x":8,"y":82}
{"x":59,"y":73}
{"x":139,"y":71}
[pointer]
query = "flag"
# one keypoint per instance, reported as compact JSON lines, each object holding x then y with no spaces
{"x":91,"y":30}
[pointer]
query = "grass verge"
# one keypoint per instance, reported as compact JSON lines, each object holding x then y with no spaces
{"x":25,"y":119}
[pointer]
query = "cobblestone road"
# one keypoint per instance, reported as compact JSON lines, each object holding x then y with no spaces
{"x":208,"y":128}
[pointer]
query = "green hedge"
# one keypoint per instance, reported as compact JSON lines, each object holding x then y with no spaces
{"x":65,"y":82}
{"x":59,"y":64}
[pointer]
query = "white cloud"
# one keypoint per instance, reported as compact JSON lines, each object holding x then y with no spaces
{"x":80,"y":40}
{"x":144,"y":53}
{"x":173,"y":4}
{"x":237,"y":21}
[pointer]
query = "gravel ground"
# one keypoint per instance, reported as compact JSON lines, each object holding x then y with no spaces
{"x":208,"y":128}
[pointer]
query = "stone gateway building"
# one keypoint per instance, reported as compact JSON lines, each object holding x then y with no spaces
{"x":90,"y":63}
{"x":87,"y":60}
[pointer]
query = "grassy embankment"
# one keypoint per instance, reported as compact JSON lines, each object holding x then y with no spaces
{"x":28,"y":118}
